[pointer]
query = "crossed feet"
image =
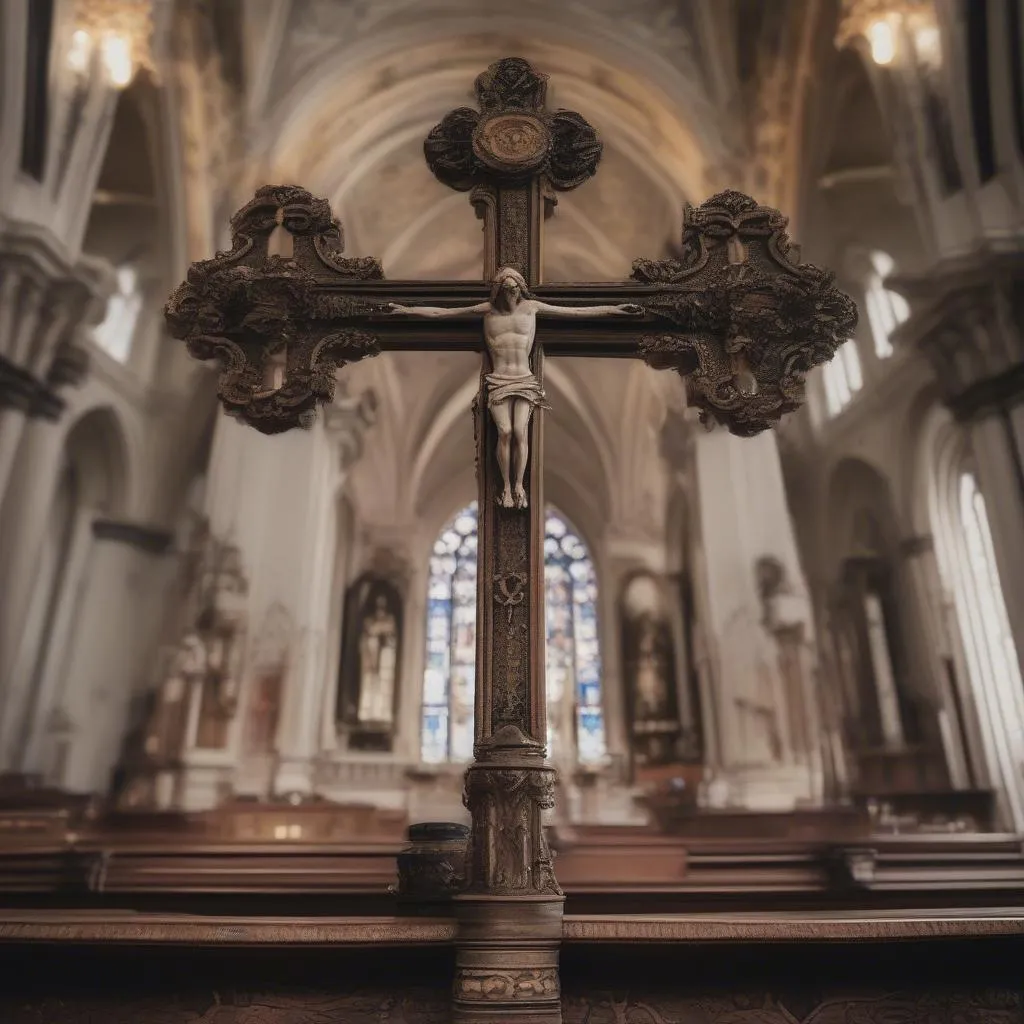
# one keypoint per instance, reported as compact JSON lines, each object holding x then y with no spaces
{"x":513,"y":498}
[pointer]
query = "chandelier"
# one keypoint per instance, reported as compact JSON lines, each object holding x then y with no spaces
{"x":884,"y":24}
{"x":115,"y":33}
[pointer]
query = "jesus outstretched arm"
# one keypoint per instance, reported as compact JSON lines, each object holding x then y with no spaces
{"x":438,"y":312}
{"x":626,"y":309}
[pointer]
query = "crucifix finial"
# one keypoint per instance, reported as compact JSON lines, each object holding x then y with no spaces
{"x":513,"y":136}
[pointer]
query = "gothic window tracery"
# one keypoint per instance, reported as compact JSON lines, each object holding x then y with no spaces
{"x":117,"y":330}
{"x":843,"y":378}
{"x":575,"y":714}
{"x":989,"y":620}
{"x":990,"y":659}
{"x":886,"y":309}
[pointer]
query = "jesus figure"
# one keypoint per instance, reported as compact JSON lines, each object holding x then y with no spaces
{"x":510,"y":327}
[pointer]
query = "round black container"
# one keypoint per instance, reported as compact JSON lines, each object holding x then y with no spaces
{"x":432,"y":864}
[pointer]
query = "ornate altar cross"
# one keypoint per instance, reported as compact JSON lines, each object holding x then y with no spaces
{"x":737,"y":315}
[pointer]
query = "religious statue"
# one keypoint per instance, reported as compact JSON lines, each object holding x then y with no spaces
{"x":651,"y":681}
{"x":220,"y":624}
{"x":758,"y":732}
{"x":378,"y":652}
{"x":513,"y":389}
{"x":165,"y":732}
{"x":786,"y":616}
{"x":369,"y":664}
{"x":649,"y":665}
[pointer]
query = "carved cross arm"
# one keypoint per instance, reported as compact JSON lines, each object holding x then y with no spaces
{"x":277,"y":333}
{"x":744,"y":319}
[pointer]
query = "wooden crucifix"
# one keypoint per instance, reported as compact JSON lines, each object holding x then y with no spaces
{"x":736,"y":314}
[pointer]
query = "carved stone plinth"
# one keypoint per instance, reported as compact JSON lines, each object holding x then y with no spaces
{"x":507,"y":959}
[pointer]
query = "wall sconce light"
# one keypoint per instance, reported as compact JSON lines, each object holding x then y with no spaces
{"x":117,"y":34}
{"x":886,"y":24}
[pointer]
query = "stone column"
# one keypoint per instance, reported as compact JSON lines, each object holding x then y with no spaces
{"x":49,"y":292}
{"x":934,"y":656}
{"x":274,"y":500}
{"x":744,"y":519}
{"x":24,"y":525}
{"x":308,"y":540}
{"x":45,"y":308}
{"x":105,"y":661}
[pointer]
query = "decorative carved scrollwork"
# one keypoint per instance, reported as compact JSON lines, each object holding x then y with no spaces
{"x":752,"y":319}
{"x":507,"y":986}
{"x":510,"y":853}
{"x":510,"y":590}
{"x":513,"y":136}
{"x":259,"y":314}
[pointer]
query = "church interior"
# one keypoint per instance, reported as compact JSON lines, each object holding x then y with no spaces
{"x":784,"y":690}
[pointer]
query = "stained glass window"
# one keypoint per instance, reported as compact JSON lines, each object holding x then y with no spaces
{"x":575,"y":714}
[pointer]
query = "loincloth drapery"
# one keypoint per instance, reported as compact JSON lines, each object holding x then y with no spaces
{"x":501,"y":388}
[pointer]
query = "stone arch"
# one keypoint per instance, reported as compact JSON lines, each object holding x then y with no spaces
{"x":860,"y":514}
{"x":97,"y":444}
{"x":353,"y":121}
{"x":93,"y":484}
{"x":977,"y":638}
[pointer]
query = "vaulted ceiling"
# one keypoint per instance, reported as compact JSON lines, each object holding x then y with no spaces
{"x":339,"y":95}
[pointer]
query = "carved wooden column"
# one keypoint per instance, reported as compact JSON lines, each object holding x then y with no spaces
{"x":510,"y":918}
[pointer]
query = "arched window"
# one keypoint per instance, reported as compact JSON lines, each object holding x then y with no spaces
{"x":980,"y":605}
{"x":968,"y":564}
{"x":114,"y":335}
{"x":575,"y":715}
{"x":842,"y":377}
{"x":886,"y":309}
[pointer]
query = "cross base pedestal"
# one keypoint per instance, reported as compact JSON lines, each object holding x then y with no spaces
{"x":506,"y":965}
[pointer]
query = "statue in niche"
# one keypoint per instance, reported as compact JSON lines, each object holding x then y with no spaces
{"x":203,"y":666}
{"x":785,"y":615}
{"x":165,"y":736}
{"x":268,"y":670}
{"x":220,"y":626}
{"x":369,"y":671}
{"x":750,"y":663}
{"x":378,"y":653}
{"x":649,"y":666}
